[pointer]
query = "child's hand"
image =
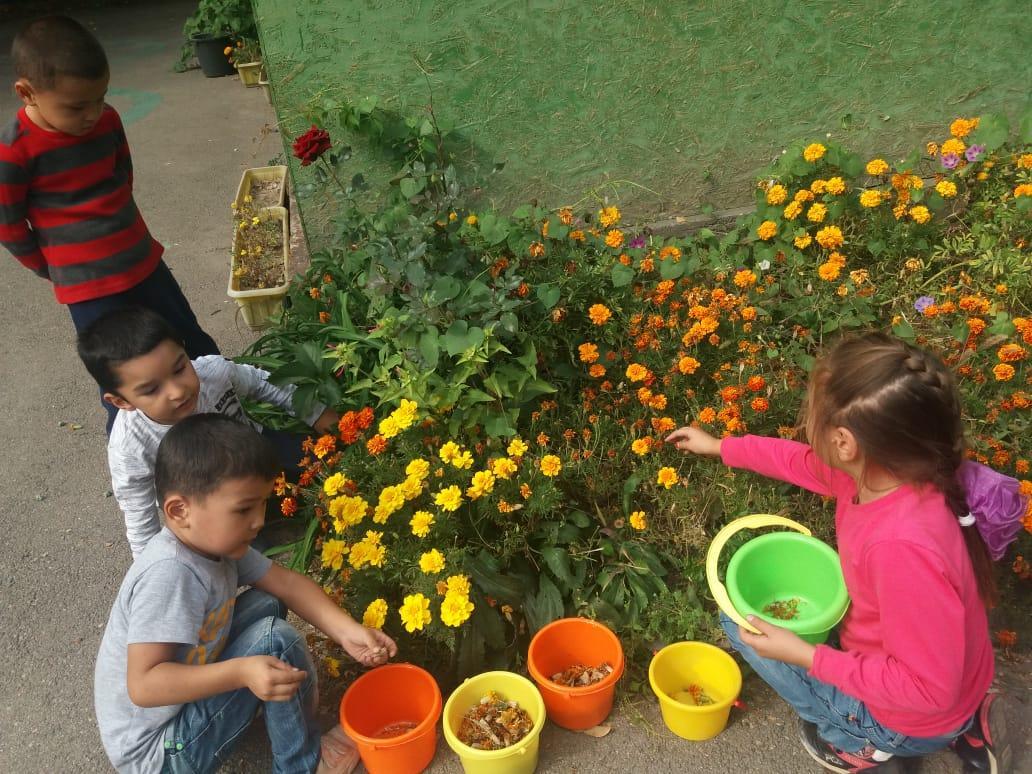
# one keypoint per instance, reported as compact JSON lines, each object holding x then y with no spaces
{"x":327,"y":422}
{"x":694,"y":440}
{"x":271,"y":679}
{"x":778,"y":643}
{"x":369,"y":647}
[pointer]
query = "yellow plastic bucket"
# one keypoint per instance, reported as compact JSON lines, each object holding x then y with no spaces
{"x":685,"y":664}
{"x":522,"y":757}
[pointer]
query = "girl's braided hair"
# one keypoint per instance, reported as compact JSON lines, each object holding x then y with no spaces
{"x":901,"y":404}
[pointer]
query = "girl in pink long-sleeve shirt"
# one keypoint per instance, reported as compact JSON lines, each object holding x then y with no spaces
{"x":916,"y":663}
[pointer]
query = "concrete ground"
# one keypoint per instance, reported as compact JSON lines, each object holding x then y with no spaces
{"x":63,"y":551}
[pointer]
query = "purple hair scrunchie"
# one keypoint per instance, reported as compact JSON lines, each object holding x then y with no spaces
{"x":996,"y":504}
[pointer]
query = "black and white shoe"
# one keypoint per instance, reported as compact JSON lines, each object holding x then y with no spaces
{"x":841,"y":761}
{"x":986,"y":748}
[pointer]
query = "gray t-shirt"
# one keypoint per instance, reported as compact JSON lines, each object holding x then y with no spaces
{"x":170,"y":594}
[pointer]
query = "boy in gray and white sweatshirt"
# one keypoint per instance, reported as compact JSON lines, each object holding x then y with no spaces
{"x":140,"y":363}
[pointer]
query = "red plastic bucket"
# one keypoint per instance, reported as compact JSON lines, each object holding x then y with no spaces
{"x":560,"y":645}
{"x":384,"y":698}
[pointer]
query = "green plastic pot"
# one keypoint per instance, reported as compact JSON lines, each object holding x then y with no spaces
{"x":780,"y":566}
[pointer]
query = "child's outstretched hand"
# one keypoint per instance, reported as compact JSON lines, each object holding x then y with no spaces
{"x":778,"y":643}
{"x":271,"y":679}
{"x":326,"y":424}
{"x":694,"y":440}
{"x":369,"y":647}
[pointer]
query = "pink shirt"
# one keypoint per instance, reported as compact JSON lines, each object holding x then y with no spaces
{"x":915,"y":640}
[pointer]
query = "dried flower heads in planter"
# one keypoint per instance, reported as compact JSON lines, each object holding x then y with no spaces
{"x":257,"y":247}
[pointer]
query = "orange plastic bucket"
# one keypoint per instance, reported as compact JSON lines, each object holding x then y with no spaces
{"x":387,"y":698}
{"x":560,"y":645}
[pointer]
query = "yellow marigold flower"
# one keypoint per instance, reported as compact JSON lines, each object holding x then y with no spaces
{"x":1025,"y":189}
{"x":670,"y":251}
{"x":776,"y":194}
{"x":1024,"y":161}
{"x":550,"y":465}
{"x":767,"y":230}
{"x":744,"y":278}
{"x":1003,"y":372}
{"x":599,"y":314}
{"x":912,"y":264}
{"x":463,"y":460}
{"x":471,"y":220}
{"x":482,"y":483}
{"x":947,"y":189}
{"x":375,"y":615}
{"x":415,"y":612}
{"x":421,"y":522}
{"x":666,"y":477}
{"x":411,"y":487}
{"x":607,"y":217}
{"x":877,"y":167}
{"x":1011,"y":353}
{"x":347,"y":512}
{"x":793,"y":209}
{"x":333,"y":553}
{"x":333,"y":484}
{"x":516,"y":448}
{"x":803,"y":195}
{"x":503,"y":467}
{"x":920,"y":214}
{"x":870,"y":198}
{"x":953,"y":145}
{"x":432,"y":562}
{"x":455,"y":609}
{"x":577,"y":235}
{"x":932,"y":148}
{"x":332,"y":666}
{"x":449,"y":498}
{"x":449,"y":451}
{"x":802,"y":242}
{"x":615,"y":238}
{"x":587,"y":352}
{"x":962,"y":127}
{"x":859,"y":276}
{"x":388,"y":427}
{"x":830,"y":237}
{"x":391,"y":499}
{"x":687,"y":365}
{"x":417,"y":468}
{"x":816,"y":213}
{"x":457,"y":584}
{"x":829,"y":271}
{"x":813,"y":152}
{"x":638,"y":521}
{"x":836,"y":186}
{"x":636,"y":372}
{"x":641,"y":446}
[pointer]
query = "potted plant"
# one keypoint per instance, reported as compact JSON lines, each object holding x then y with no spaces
{"x":262,"y":187}
{"x":246,"y":57}
{"x":212,"y":28}
{"x":258,"y":268}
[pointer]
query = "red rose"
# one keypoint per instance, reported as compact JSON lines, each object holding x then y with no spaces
{"x":311,"y":145}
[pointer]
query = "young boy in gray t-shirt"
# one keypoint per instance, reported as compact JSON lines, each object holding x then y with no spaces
{"x":185,"y":663}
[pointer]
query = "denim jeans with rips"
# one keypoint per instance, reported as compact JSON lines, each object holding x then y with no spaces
{"x":202,"y":736}
{"x":842,"y":721}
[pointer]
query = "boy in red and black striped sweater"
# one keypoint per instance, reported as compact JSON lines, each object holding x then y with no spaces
{"x":66,"y":187}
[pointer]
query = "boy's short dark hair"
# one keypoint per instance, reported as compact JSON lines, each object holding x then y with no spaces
{"x":118,"y":336}
{"x":200,"y":453}
{"x":52,"y":46}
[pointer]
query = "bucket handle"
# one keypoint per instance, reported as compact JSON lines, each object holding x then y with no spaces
{"x":754,"y":521}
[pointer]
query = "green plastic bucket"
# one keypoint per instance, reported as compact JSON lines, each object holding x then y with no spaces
{"x":781,"y":567}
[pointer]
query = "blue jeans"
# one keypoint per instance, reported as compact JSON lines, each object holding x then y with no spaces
{"x":842,"y":721}
{"x":160,"y":293}
{"x":202,"y":736}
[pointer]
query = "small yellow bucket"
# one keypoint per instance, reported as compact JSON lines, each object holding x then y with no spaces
{"x":683,"y":665}
{"x":522,"y":757}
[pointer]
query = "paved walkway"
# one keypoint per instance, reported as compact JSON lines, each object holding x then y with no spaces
{"x":63,"y":552}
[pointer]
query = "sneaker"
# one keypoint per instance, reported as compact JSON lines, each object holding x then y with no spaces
{"x":986,"y":747}
{"x":841,"y":761}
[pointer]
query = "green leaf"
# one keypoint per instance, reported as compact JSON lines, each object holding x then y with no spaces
{"x":460,"y":337}
{"x":903,"y":330}
{"x":499,"y":425}
{"x":671,"y":269}
{"x":548,"y":295}
{"x":622,"y":275}
{"x":580,"y":518}
{"x":629,"y":487}
{"x":545,"y":606}
{"x":444,"y":289}
{"x":1002,"y":326}
{"x":876,"y":246}
{"x":429,"y":348}
{"x":558,"y":561}
{"x":483,"y":568}
{"x":992,"y":132}
{"x":493,"y":228}
{"x":410,"y":186}
{"x":1025,"y":128}
{"x":535,"y":388}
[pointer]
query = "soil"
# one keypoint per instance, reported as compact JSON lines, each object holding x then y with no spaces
{"x":265,"y":193}
{"x":258,"y":257}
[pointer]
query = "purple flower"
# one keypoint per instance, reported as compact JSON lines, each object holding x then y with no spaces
{"x":923,"y":303}
{"x":950,"y":160}
{"x":972,"y":154}
{"x":637,"y":243}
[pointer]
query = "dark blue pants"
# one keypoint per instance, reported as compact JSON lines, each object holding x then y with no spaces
{"x":160,"y":293}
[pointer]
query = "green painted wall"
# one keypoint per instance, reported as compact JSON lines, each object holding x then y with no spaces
{"x":666,"y":105}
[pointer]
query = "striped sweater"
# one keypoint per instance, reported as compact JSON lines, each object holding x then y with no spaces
{"x":67,"y":210}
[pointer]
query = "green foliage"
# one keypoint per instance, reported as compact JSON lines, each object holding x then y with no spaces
{"x":234,"y":18}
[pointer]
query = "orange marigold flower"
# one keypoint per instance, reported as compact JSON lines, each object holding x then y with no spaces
{"x":314,"y":293}
{"x":615,"y":238}
{"x":730,"y":394}
{"x":608,"y":216}
{"x":744,"y":278}
{"x":776,"y":194}
{"x":687,"y":365}
{"x":802,"y":242}
{"x":830,"y":237}
{"x":637,"y":373}
{"x":962,"y":127}
{"x":803,"y":195}
{"x":836,"y":186}
{"x":767,"y":230}
{"x":666,"y":477}
{"x":1011,"y":353}
{"x":662,"y":425}
{"x":920,"y":214}
{"x":748,"y":313}
{"x":577,"y":235}
{"x":324,"y":317}
{"x":536,"y":249}
{"x":376,"y":445}
{"x":671,"y":252}
{"x":1003,"y":372}
{"x":588,"y":352}
{"x":829,"y":271}
{"x":791,"y":212}
{"x":707,"y":416}
{"x":1006,"y":638}
{"x":813,"y":152}
{"x":566,"y":216}
{"x":325,"y":445}
{"x":641,"y":446}
{"x":599,"y":314}
{"x":288,"y":507}
{"x":658,"y":402}
{"x":975,"y":325}
{"x":597,"y":371}
{"x":953,"y":145}
{"x":756,"y":383}
{"x":759,"y":405}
